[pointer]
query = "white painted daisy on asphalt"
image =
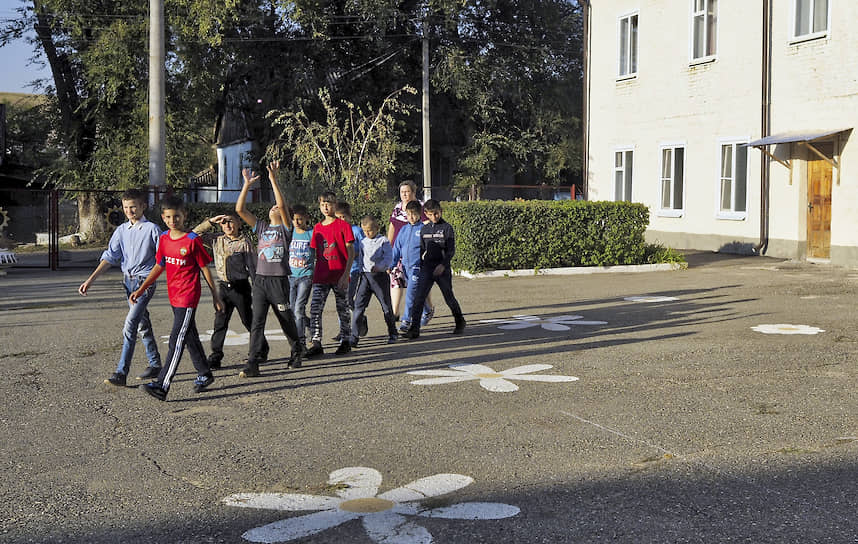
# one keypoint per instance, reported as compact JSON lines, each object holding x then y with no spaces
{"x":786,"y":328}
{"x":498,"y":382}
{"x":233,"y":338}
{"x":383,"y":516}
{"x":650,"y":298}
{"x":557,"y":323}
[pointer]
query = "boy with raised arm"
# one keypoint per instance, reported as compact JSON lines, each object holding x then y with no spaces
{"x":271,"y":284}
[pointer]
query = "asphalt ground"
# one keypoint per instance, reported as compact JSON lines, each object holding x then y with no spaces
{"x":684,"y":425}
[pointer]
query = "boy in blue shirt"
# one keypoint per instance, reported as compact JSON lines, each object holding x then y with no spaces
{"x":377,"y":260}
{"x":301,"y":260}
{"x":132,"y":246}
{"x":343,"y":210}
{"x":407,"y":248}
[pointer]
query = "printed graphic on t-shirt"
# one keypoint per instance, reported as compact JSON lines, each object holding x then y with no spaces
{"x":269,"y":249}
{"x":299,"y":253}
{"x":331,"y":255}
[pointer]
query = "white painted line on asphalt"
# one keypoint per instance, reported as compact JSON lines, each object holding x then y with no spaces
{"x":618,"y":433}
{"x":786,"y":328}
{"x":383,"y":516}
{"x":650,"y":298}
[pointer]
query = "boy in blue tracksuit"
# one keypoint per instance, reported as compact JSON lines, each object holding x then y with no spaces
{"x":407,"y":248}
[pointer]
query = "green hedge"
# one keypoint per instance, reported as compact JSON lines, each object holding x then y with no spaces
{"x":499,"y":235}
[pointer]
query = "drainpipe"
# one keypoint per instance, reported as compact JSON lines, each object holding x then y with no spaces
{"x":765,"y":127}
{"x":585,"y":106}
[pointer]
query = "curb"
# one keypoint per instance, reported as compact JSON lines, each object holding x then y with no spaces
{"x":574,"y":270}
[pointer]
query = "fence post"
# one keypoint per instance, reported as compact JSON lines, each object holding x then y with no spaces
{"x":54,"y":236}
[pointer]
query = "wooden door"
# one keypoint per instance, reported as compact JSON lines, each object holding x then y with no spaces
{"x":819,"y":209}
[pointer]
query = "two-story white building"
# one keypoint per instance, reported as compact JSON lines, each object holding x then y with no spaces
{"x":730,"y":119}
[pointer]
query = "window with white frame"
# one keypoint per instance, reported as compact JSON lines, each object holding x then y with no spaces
{"x":672,"y":179}
{"x":704,"y":20}
{"x":623,"y":165}
{"x":733,"y":188}
{"x":811,"y":18}
{"x":628,"y":45}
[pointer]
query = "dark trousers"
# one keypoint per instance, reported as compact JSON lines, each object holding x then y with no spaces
{"x":378,"y":284}
{"x":317,"y":304}
{"x":270,"y":292}
{"x":425,"y":281}
{"x":235,"y":296}
{"x":184,"y":334}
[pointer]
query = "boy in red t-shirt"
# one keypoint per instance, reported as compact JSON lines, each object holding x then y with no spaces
{"x":334,"y":244}
{"x":183,"y":256}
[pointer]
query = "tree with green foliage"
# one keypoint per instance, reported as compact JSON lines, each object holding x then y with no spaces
{"x":352,"y":152}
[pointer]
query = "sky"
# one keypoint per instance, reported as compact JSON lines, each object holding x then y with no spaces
{"x":15,"y":73}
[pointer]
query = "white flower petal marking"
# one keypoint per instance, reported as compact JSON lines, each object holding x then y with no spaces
{"x":383,"y":516}
{"x":497,"y":382}
{"x":787,"y":328}
{"x":473,"y":510}
{"x":295,"y":528}
{"x":650,"y":298}
{"x":361,"y":481}
{"x":557,"y":323}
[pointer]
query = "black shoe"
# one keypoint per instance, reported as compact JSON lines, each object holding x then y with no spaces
{"x":155,"y":390}
{"x":392,"y":338}
{"x":296,"y":357}
{"x":363,"y":326}
{"x":201,"y":382}
{"x":117,"y":379}
{"x":250,"y":370}
{"x":314,"y":351}
{"x":460,"y":325}
{"x":214,"y":362}
{"x":344,"y":348}
{"x":411,"y":333}
{"x":151,"y":372}
{"x":337,"y":338}
{"x":354,"y":341}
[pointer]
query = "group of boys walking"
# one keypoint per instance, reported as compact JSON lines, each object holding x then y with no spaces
{"x":291,"y":265}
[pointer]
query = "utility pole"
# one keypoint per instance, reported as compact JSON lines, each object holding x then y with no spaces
{"x":157,"y":130}
{"x":427,"y":165}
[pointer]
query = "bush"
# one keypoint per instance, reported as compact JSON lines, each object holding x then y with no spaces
{"x":546,"y":234}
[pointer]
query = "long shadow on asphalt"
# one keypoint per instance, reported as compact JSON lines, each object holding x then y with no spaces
{"x":667,"y":500}
{"x":627,"y":323}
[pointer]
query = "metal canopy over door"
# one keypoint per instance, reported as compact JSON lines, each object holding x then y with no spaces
{"x":819,"y":209}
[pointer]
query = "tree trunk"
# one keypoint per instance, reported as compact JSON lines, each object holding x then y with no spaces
{"x":93,"y":225}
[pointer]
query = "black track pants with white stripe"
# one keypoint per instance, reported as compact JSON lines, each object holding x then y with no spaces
{"x":184,"y":334}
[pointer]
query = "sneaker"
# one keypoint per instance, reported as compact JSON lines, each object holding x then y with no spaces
{"x":214,"y":362}
{"x":154,"y":389}
{"x":250,"y":370}
{"x":460,"y":325}
{"x":150,"y":373}
{"x":363,"y":326}
{"x":411,"y":334}
{"x":392,"y":338}
{"x":314,"y":351}
{"x":404,"y":326}
{"x":354,"y":341}
{"x":117,"y":379}
{"x":203,"y":381}
{"x":344,"y":348}
{"x":427,"y":316}
{"x":337,"y":338}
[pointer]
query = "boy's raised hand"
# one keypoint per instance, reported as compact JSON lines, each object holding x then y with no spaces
{"x":273,"y":170}
{"x":218,"y":219}
{"x":250,"y":177}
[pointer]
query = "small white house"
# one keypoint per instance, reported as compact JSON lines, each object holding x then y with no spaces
{"x":731,"y":120}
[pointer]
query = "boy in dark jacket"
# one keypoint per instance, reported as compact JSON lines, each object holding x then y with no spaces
{"x":437,"y":247}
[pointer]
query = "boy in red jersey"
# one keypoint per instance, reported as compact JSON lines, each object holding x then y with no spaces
{"x":333,"y":241}
{"x":183,"y":256}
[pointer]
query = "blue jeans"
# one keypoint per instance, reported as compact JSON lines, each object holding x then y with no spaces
{"x":299,"y":295}
{"x":412,"y":277}
{"x":137,"y":320}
